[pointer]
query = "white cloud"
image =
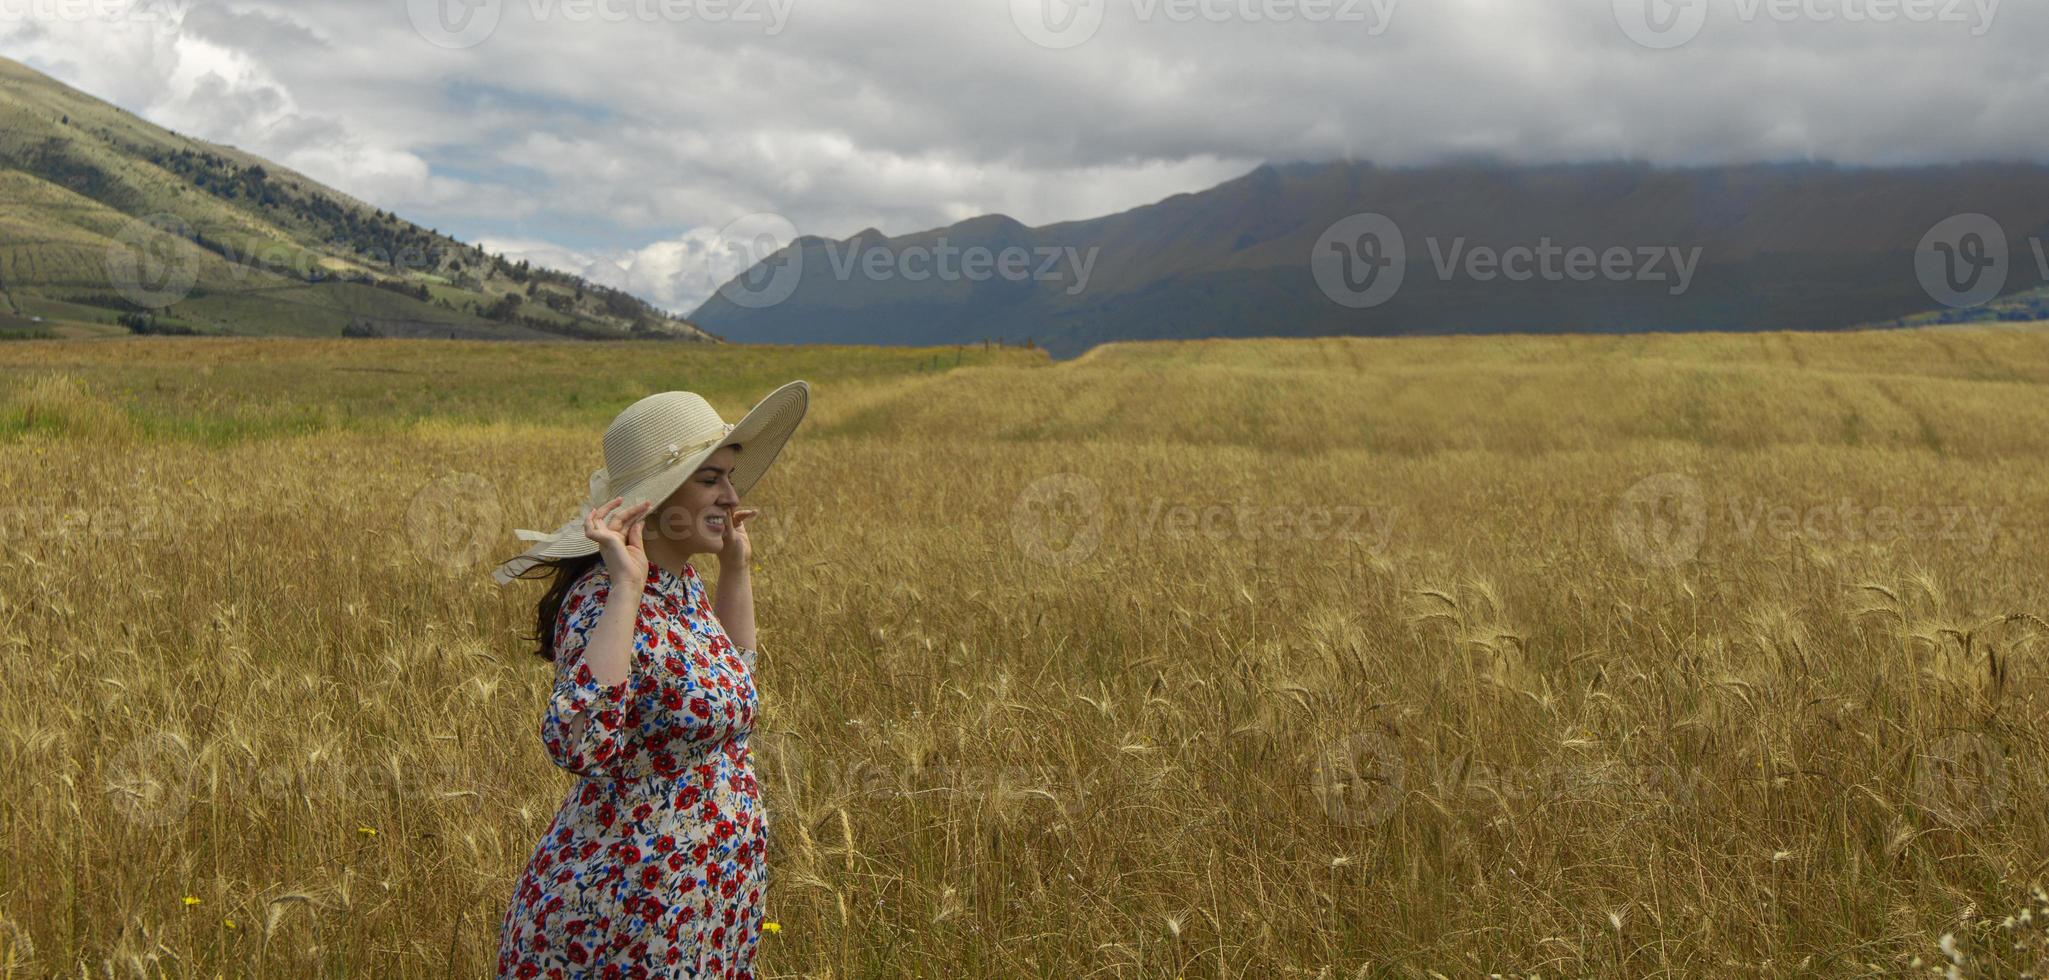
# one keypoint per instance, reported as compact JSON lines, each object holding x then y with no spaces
{"x":675,"y":274}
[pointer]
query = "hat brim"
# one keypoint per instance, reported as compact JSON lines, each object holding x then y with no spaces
{"x":760,"y":434}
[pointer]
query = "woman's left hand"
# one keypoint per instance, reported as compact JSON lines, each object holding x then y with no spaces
{"x":737,"y":551}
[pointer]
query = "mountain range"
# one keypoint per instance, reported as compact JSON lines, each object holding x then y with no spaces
{"x":1311,"y":249}
{"x":109,"y":224}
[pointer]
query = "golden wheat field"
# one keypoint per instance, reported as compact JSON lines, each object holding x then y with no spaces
{"x":1650,"y":656}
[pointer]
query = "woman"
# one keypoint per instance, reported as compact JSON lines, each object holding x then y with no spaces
{"x":654,"y":865}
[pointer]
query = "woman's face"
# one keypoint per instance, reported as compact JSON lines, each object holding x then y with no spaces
{"x":694,"y":517}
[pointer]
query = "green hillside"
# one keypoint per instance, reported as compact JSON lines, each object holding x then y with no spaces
{"x":109,"y":224}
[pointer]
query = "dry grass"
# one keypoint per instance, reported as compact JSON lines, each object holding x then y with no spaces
{"x":1588,"y":673}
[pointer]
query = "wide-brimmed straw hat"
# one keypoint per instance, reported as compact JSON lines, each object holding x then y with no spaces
{"x":654,"y":445}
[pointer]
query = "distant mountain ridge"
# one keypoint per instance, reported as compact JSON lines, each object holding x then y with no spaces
{"x":1775,"y":246}
{"x":109,"y":223}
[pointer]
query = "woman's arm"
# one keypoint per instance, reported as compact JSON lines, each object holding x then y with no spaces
{"x":608,"y":651}
{"x":735,"y":605}
{"x":584,"y":726}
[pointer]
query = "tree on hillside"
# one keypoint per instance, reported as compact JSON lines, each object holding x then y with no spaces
{"x":505,"y":309}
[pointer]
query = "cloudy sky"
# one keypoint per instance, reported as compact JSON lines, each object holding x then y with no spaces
{"x":615,"y":138}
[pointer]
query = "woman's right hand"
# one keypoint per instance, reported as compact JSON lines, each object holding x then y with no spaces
{"x":617,"y":533}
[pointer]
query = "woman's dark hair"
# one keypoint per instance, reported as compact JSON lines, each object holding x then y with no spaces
{"x":561,"y":574}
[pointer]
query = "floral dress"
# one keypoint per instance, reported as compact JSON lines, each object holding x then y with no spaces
{"x":654,"y":866}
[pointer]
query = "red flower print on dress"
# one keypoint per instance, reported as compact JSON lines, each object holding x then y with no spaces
{"x":649,"y":869}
